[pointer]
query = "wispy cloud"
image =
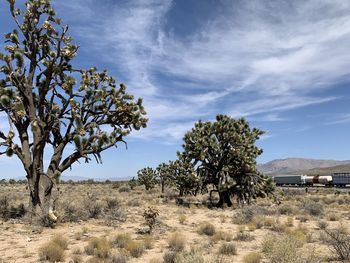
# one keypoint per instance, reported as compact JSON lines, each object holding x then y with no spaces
{"x":252,"y":57}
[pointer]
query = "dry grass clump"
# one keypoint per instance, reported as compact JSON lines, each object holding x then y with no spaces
{"x":61,"y":241}
{"x":118,"y":258}
{"x":244,"y":236}
{"x":170,"y":257}
{"x":176,"y":242}
{"x":253,"y":257}
{"x":228,"y":249}
{"x":99,"y":247}
{"x":221,"y":235}
{"x":282,"y":249}
{"x":247,"y":214}
{"x":206,"y":228}
{"x":121,"y":240}
{"x":286,"y":209}
{"x":54,"y":250}
{"x":124,"y":189}
{"x":313,"y":208}
{"x":192,"y":256}
{"x":135,"y":248}
{"x":182,"y":218}
{"x":76,"y":259}
{"x":261,"y":222}
{"x":148,"y":241}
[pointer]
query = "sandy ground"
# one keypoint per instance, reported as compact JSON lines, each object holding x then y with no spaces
{"x":20,"y":241}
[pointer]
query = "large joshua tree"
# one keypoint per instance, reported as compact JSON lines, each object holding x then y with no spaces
{"x":49,"y":103}
{"x":224,"y":154}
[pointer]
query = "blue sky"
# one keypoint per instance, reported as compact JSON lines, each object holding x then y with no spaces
{"x":284,"y":65}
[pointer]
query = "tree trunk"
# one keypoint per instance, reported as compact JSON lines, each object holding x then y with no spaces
{"x":163,"y":187}
{"x":224,"y":199}
{"x":42,"y":203}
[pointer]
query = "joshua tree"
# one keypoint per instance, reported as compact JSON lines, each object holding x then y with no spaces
{"x":164,"y":175}
{"x":183,"y":176}
{"x":224,"y":154}
{"x":132,"y":183}
{"x":51,"y":104}
{"x":147,"y":177}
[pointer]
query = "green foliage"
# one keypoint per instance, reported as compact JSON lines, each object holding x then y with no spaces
{"x":164,"y":175}
{"x":184,"y":177}
{"x":224,"y":154}
{"x":132,"y":183}
{"x":150,"y":215}
{"x":52,"y":104}
{"x":147,"y":177}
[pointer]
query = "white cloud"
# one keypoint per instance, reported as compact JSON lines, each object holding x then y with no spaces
{"x":252,"y":57}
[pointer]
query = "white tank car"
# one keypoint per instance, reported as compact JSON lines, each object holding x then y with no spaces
{"x":318,"y":179}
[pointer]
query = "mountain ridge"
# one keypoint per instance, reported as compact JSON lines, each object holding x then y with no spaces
{"x":297,"y":165}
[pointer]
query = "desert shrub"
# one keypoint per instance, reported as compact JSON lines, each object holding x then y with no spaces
{"x":150,"y":215}
{"x":134,"y":202}
{"x":148,"y":241}
{"x":51,"y":252}
{"x":4,"y":207}
{"x":286,"y":209}
{"x":221,"y":235}
{"x":281,"y":249}
{"x":247,"y":214}
{"x":303,"y":218}
{"x":261,"y":221}
{"x":206,"y":228}
{"x":119,"y":258}
{"x":243,"y":236}
{"x":192,"y":256}
{"x":93,"y":207}
{"x":228,"y":249}
{"x":252,"y":257}
{"x":313,"y":208}
{"x":135,"y":248}
{"x":76,"y":259}
{"x":7,"y":211}
{"x":339,"y":241}
{"x":170,"y":257}
{"x":182,"y":218}
{"x":121,"y":240}
{"x":322,"y":224}
{"x":290,"y":222}
{"x":72,"y":212}
{"x":124,"y":189}
{"x":112,"y":203}
{"x":176,"y":242}
{"x":61,"y":241}
{"x":99,"y":247}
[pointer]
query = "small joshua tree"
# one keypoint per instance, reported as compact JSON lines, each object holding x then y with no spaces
{"x":183,"y":176}
{"x":132,"y":183}
{"x":150,"y":215}
{"x":147,"y":177}
{"x":49,"y":103}
{"x":164,"y":175}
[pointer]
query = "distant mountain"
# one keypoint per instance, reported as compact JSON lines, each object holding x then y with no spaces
{"x":297,"y":165}
{"x":345,"y":168}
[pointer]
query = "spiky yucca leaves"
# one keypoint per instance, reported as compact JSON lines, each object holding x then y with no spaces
{"x":147,"y":177}
{"x":224,"y":153}
{"x":49,"y":102}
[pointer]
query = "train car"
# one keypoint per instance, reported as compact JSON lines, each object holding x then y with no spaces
{"x":319,"y":179}
{"x":289,"y":179}
{"x":341,"y":179}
